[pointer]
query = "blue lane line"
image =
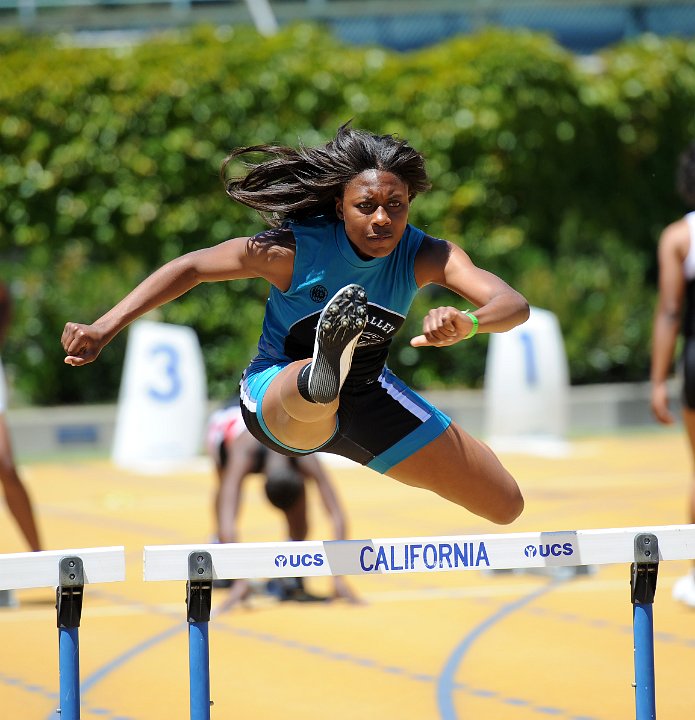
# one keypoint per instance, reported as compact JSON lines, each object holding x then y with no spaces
{"x":52,"y":695}
{"x":112,"y":665}
{"x":446,"y":684}
{"x":406,"y":673}
{"x":28,"y":687}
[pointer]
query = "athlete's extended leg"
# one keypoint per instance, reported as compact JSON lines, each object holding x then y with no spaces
{"x":464,"y":470}
{"x":689,"y":422}
{"x":300,"y":404}
{"x":684,"y":588}
{"x":297,"y":520}
{"x":16,"y":495}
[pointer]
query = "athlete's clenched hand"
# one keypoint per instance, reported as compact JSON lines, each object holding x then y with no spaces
{"x":443,"y":326}
{"x":82,"y":343}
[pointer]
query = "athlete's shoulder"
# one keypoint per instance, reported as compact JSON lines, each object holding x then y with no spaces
{"x":434,"y":249}
{"x":270,"y":255}
{"x":278,"y":236}
{"x":436,"y":258}
{"x":676,"y":238}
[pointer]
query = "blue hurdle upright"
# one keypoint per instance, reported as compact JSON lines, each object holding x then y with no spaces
{"x":643,"y":576}
{"x":198,"y":605}
{"x":69,"y":595}
{"x":643,"y":548}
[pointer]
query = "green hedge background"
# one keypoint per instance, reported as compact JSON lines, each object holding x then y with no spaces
{"x":554,"y":174}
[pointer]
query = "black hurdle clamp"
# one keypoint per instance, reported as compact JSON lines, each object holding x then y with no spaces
{"x":644,"y":571}
{"x":69,"y":592}
{"x":199,"y":586}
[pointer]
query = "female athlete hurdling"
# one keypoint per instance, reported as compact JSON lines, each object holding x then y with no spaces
{"x":343,"y":265}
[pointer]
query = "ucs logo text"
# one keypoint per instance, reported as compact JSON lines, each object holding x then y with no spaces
{"x":554,"y":549}
{"x":305,"y":560}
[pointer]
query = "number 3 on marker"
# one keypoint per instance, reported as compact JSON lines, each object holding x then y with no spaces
{"x":529,"y":358}
{"x":166,"y":362}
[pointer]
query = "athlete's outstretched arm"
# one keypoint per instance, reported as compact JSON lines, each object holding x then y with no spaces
{"x":83,"y":343}
{"x":499,"y":306}
{"x":241,"y":257}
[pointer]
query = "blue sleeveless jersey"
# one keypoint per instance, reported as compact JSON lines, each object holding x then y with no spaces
{"x":325,"y":262}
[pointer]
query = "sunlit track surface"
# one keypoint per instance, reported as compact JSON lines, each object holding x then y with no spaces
{"x":422,"y":646}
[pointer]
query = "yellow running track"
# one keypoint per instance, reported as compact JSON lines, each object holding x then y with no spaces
{"x":450,"y":646}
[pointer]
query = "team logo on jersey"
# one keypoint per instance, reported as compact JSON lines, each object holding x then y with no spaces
{"x":318,"y":293}
{"x":381,"y":325}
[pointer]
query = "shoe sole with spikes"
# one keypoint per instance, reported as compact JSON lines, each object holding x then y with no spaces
{"x":339,"y":328}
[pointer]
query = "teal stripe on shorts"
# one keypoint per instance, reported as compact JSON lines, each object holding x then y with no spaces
{"x":412,"y":442}
{"x":252,"y":392}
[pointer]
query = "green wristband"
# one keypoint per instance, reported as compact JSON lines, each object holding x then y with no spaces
{"x":475,"y":322}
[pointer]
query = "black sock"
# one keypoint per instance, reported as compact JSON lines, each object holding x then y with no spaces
{"x":303,"y":383}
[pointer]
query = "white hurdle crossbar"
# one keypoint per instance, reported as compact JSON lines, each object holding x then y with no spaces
{"x":642,"y":547}
{"x":40,"y":569}
{"x":67,"y":571}
{"x":419,"y":554}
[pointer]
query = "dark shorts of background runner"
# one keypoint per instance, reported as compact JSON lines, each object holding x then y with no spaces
{"x":688,"y":360}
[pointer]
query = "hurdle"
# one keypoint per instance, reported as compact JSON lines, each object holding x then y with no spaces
{"x":68,"y":571}
{"x":642,"y":547}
